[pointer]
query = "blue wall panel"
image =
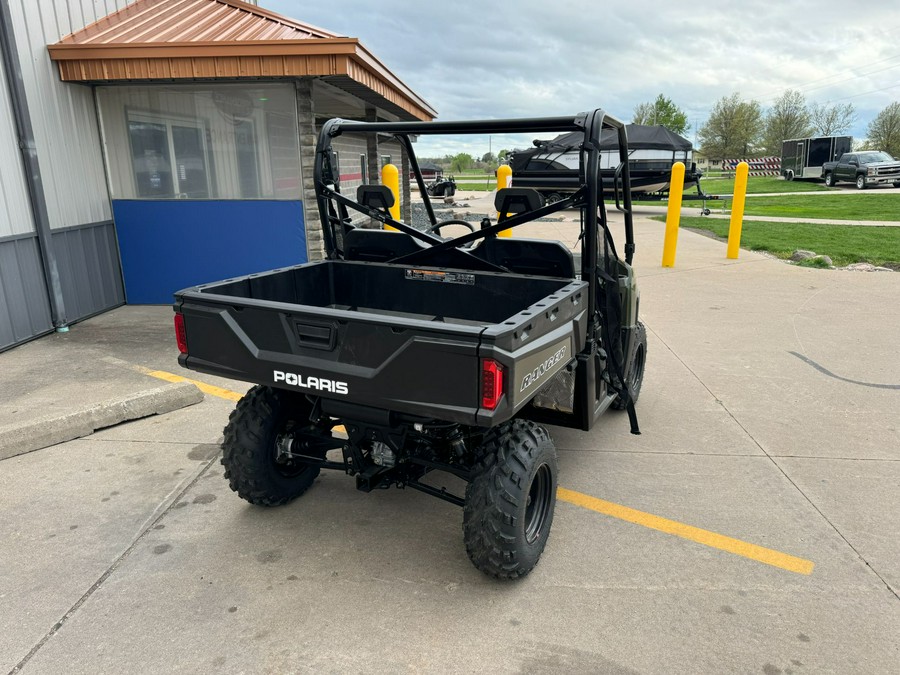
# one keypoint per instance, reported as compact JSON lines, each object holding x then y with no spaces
{"x":170,"y":245}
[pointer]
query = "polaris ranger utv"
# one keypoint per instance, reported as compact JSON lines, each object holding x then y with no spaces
{"x":406,"y":352}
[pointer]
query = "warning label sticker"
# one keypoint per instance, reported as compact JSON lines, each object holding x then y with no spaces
{"x":441,"y":277}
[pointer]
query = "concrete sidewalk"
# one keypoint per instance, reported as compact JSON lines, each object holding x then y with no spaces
{"x":769,"y":414}
{"x":67,"y":385}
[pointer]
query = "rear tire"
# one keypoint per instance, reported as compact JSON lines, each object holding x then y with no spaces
{"x":829,"y":179}
{"x":861,"y":183}
{"x":249,"y":450}
{"x":510,"y":502}
{"x":635,"y":373}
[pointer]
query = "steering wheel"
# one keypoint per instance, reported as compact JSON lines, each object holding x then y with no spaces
{"x":435,"y":229}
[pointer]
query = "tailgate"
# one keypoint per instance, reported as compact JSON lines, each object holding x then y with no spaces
{"x":394,"y":363}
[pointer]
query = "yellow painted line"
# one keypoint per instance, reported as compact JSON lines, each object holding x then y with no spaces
{"x":227,"y":394}
{"x":695,"y":534}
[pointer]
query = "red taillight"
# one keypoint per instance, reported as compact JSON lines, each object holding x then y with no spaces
{"x":180,"y":335}
{"x":491,"y":383}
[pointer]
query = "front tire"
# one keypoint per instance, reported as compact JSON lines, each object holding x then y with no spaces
{"x":635,"y":372}
{"x":829,"y":179}
{"x":510,"y":502}
{"x":861,"y":183}
{"x":250,"y":450}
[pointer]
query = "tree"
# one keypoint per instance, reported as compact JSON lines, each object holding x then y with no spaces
{"x":661,"y":111}
{"x":502,"y":154}
{"x":461,"y":162}
{"x":488,"y":158}
{"x":789,"y":117}
{"x":828,"y":120}
{"x":732,"y":130}
{"x":884,"y":130}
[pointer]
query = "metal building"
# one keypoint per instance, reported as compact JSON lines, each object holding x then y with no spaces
{"x":155,"y":144}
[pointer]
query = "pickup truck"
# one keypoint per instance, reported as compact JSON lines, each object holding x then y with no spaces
{"x":865,"y":168}
{"x":407,"y":352}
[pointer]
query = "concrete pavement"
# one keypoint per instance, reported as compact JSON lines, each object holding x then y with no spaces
{"x":769,"y":414}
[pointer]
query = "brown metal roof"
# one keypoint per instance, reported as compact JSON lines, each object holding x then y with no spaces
{"x":225,"y":39}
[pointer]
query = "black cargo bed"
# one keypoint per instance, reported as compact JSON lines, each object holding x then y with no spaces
{"x":425,"y":294}
{"x":407,"y":339}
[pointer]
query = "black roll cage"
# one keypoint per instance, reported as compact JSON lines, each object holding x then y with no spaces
{"x":588,"y":197}
{"x":601,"y":275}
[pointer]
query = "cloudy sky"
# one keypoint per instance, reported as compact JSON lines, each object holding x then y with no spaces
{"x":524,"y":58}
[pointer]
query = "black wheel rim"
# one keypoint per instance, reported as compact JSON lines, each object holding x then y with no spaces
{"x":288,"y":467}
{"x":638,"y":376}
{"x":537,"y":507}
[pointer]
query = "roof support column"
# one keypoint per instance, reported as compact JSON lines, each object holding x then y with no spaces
{"x":373,"y":161}
{"x":372,"y":157}
{"x":306,"y":127}
{"x":405,"y":208}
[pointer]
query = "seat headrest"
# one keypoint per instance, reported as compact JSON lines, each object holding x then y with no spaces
{"x":375,"y":196}
{"x":517,"y":200}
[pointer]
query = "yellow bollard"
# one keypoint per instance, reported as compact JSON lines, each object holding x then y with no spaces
{"x":504,"y":178}
{"x":737,"y":210}
{"x":673,"y":215}
{"x":390,"y":177}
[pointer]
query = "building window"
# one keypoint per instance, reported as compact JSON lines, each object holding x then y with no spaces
{"x":169,"y":157}
{"x":215,"y":141}
{"x":247,"y":157}
{"x":385,"y":159}
{"x":363,"y":169}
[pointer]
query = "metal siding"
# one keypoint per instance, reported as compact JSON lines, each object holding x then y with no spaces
{"x":15,"y":213}
{"x":89,"y":269}
{"x":63,"y":115}
{"x":193,"y":21}
{"x":24,"y":310}
{"x":185,"y":39}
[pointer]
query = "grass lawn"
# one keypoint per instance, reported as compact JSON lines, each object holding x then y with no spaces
{"x":869,"y":206}
{"x":755,"y":185}
{"x":761,"y":185}
{"x":483,"y":185}
{"x":844,"y":244}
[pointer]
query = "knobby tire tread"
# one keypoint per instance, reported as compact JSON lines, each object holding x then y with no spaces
{"x":641,"y":336}
{"x":247,"y":450}
{"x":491,"y":527}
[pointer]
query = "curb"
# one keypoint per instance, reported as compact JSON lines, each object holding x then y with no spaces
{"x":36,"y":434}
